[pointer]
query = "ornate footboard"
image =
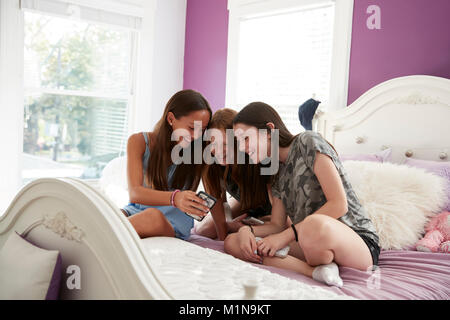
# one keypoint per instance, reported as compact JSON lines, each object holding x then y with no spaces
{"x":92,"y":235}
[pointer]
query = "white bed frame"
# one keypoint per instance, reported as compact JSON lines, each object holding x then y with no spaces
{"x":410,"y":115}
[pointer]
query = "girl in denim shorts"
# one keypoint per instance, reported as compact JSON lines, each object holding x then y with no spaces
{"x":160,"y":191}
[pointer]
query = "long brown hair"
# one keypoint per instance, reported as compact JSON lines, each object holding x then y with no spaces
{"x":186,"y":176}
{"x":258,"y":114}
{"x":252,"y":185}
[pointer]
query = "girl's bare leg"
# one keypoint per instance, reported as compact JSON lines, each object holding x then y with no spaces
{"x":324,"y":239}
{"x":206,"y":228}
{"x":151,"y":223}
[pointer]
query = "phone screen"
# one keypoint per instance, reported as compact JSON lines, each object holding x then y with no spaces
{"x":210,"y":200}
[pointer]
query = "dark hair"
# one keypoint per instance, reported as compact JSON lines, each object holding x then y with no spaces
{"x":252,"y":185}
{"x":180,"y":104}
{"x":258,"y":114}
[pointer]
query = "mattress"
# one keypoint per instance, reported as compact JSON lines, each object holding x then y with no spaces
{"x":192,"y":272}
{"x":402,"y":275}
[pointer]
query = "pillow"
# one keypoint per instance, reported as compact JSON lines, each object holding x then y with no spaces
{"x":113,"y":181}
{"x":398,"y":199}
{"x":27,"y":271}
{"x":382,"y":156}
{"x":441,"y":169}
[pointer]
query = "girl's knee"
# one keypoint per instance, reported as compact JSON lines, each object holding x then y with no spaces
{"x":230,"y":243}
{"x":314,"y":229}
{"x":206,"y":228}
{"x":155,"y":217}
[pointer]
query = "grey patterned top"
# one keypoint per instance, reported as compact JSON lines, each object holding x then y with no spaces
{"x":299,"y":189}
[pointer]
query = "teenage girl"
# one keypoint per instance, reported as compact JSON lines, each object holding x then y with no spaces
{"x":247,"y":188}
{"x":160,"y":191}
{"x":329,"y":228}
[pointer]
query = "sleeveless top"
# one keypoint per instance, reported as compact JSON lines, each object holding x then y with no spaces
{"x":145,"y":159}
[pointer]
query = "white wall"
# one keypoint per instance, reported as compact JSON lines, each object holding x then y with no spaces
{"x":11,"y":101}
{"x":161,"y":60}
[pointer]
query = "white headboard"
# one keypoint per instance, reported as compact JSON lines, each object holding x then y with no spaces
{"x":410,"y":115}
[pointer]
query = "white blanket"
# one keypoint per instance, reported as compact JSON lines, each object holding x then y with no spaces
{"x":189,"y":271}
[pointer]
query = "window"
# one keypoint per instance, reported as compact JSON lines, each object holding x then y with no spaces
{"x":284,"y":55}
{"x":77,"y":88}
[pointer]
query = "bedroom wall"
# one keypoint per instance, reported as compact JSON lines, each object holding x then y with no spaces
{"x":413,"y":39}
{"x":205,"y":59}
{"x":167,"y":45}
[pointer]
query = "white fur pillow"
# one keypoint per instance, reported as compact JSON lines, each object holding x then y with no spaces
{"x":398,"y":199}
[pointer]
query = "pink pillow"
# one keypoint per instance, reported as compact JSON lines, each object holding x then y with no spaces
{"x":439,"y":168}
{"x":382,"y":156}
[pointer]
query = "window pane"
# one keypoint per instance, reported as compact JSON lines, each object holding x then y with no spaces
{"x":75,"y":55}
{"x":284,"y":59}
{"x":71,"y":135}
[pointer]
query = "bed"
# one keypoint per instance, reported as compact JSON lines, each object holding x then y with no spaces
{"x":82,"y":220}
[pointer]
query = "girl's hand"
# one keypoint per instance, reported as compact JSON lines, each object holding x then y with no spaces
{"x":247,"y":244}
{"x":236,"y":223}
{"x":188,"y":202}
{"x":269,"y":245}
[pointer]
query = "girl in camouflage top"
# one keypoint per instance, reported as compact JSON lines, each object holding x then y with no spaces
{"x":311,"y":189}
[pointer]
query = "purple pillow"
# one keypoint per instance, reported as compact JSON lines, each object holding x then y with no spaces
{"x":55,"y":282}
{"x":441,"y":169}
{"x":382,"y":156}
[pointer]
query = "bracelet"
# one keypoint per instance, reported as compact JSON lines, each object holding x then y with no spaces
{"x":295,"y":232}
{"x":172,"y":198}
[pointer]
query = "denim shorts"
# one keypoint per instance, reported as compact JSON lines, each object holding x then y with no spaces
{"x":181,"y":222}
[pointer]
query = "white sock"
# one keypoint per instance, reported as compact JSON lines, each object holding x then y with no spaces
{"x":329,"y":274}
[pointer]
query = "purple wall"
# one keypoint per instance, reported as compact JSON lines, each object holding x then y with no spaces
{"x":205,"y":60}
{"x":414,"y":39}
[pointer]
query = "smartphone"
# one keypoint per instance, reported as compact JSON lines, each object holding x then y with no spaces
{"x":252,"y":221}
{"x":210,"y":202}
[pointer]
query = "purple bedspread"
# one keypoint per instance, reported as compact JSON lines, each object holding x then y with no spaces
{"x":402,"y":274}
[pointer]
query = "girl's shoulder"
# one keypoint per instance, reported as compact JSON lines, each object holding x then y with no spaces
{"x":138,"y":141}
{"x":311,"y":142}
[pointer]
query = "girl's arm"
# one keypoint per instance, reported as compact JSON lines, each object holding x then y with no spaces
{"x":277,"y":221}
{"x":218,"y":215}
{"x":137,"y":192}
{"x":331,"y":184}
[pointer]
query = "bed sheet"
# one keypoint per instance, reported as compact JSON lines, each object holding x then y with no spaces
{"x":402,"y":275}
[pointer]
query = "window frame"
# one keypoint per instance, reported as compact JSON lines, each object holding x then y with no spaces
{"x":13,"y":91}
{"x":240,"y":10}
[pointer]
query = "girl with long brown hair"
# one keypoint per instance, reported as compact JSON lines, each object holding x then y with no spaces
{"x":329,"y":228}
{"x":248,"y":189}
{"x":161,"y":191}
